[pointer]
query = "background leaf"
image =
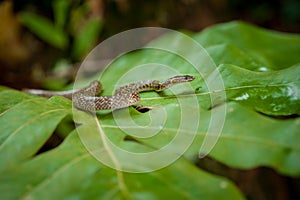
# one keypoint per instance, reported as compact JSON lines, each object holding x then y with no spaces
{"x":275,"y":50}
{"x":44,"y":29}
{"x":60,"y":9}
{"x":86,"y":38}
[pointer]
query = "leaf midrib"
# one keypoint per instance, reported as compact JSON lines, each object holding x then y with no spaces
{"x":216,"y":91}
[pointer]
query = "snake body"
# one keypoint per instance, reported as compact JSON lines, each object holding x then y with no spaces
{"x":124,"y":96}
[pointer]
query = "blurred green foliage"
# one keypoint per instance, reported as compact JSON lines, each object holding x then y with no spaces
{"x":66,"y":30}
{"x":69,"y":30}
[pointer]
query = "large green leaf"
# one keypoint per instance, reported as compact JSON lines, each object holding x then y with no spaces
{"x":274,"y":93}
{"x":71,"y":172}
{"x":248,"y":138}
{"x":38,"y":117}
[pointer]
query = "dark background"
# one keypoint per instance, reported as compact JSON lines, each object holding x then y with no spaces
{"x":26,"y":60}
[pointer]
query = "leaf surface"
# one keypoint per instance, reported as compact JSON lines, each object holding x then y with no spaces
{"x":26,"y":126}
{"x":92,"y":180}
{"x":276,"y":50}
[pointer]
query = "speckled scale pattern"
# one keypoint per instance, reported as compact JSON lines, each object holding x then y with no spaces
{"x":87,"y":99}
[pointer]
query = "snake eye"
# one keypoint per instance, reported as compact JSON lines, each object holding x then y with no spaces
{"x":189,"y":78}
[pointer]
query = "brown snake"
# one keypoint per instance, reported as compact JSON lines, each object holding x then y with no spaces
{"x":124,"y":96}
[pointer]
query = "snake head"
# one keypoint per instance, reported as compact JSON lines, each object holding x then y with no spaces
{"x":188,"y":78}
{"x":181,"y":79}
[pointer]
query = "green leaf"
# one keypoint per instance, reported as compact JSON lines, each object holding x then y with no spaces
{"x":276,"y":50}
{"x":60,"y":9}
{"x":249,"y":140}
{"x":25,"y":126}
{"x":91,"y":180}
{"x":229,"y":54}
{"x":37,"y":116}
{"x":44,"y":29}
{"x":6,"y":100}
{"x":86,"y":38}
{"x":273,"y":93}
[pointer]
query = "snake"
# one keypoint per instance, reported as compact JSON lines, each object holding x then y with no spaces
{"x":86,"y":98}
